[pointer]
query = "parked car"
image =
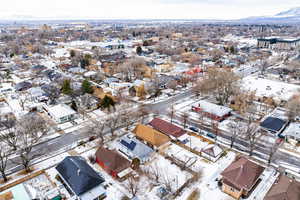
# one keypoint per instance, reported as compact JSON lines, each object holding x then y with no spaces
{"x":281,"y":136}
{"x":211,"y":135}
{"x":194,"y":129}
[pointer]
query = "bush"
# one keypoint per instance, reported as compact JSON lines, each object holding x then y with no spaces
{"x":194,"y":195}
{"x":125,"y":198}
{"x":92,"y":159}
{"x":92,"y":138}
{"x":80,"y":143}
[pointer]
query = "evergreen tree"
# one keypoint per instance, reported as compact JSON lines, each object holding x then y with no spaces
{"x":74,"y":106}
{"x":72,"y":53}
{"x":66,"y":87}
{"x":232,"y":49}
{"x":85,"y":61}
{"x":107,"y":102}
{"x":86,"y":87}
{"x":139,"y":50}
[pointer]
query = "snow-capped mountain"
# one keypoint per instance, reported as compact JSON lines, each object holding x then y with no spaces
{"x":289,"y":16}
{"x":289,"y":13}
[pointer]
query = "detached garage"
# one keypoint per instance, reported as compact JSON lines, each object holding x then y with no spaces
{"x":273,"y":124}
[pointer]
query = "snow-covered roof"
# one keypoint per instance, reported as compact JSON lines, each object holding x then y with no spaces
{"x":4,"y":108}
{"x":270,"y":88}
{"x":138,"y":82}
{"x":90,"y":73}
{"x":60,"y":110}
{"x":292,"y":130}
{"x":213,"y":108}
{"x":36,"y":91}
{"x":213,"y":150}
{"x":134,"y":147}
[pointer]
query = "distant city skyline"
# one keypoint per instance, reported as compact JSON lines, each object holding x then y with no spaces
{"x":142,"y":9}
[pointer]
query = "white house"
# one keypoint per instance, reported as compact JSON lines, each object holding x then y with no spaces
{"x":292,"y":133}
{"x":61,"y":113}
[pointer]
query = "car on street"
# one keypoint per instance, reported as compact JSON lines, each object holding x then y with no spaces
{"x":211,"y":135}
{"x":194,"y":129}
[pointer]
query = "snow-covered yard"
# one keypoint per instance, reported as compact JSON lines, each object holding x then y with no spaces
{"x":193,"y":142}
{"x":207,"y":184}
{"x":270,"y":88}
{"x":168,"y":172}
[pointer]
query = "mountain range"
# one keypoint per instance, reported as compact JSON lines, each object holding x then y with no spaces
{"x":291,"y":16}
{"x":285,"y":17}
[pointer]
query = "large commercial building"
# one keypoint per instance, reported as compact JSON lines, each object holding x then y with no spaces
{"x":278,"y":43}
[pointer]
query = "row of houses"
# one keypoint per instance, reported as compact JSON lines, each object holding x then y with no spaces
{"x":238,"y":180}
{"x":141,"y":146}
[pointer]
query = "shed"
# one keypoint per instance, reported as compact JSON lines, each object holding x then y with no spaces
{"x":212,"y":152}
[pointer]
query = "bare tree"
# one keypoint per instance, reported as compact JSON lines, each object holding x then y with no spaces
{"x":166,"y":180}
{"x":9,"y":134}
{"x":4,"y":154}
{"x":112,"y":123}
{"x":293,"y":108}
{"x":222,"y":83}
{"x":185,"y":117}
{"x":132,"y":68}
{"x":235,"y":130}
{"x":22,"y":101}
{"x":31,"y":129}
{"x":97,"y":129}
{"x":154,"y":88}
{"x":53,"y":93}
{"x":251,"y":135}
{"x":128,"y":118}
{"x":201,"y":118}
{"x":199,"y":88}
{"x":143,"y":113}
{"x":263,"y":66}
{"x":215,"y":128}
{"x":155,"y":172}
{"x":171,"y":113}
{"x":83,"y":104}
{"x":294,"y":67}
{"x":172,"y":84}
{"x":133,"y":186}
{"x":272,"y":151}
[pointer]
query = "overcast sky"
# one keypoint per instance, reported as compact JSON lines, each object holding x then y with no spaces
{"x":144,"y":9}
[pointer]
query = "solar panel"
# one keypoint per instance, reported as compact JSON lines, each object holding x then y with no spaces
{"x":130,"y":145}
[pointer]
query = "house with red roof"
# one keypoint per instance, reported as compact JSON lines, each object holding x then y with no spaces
{"x":241,"y":177}
{"x":167,"y":128}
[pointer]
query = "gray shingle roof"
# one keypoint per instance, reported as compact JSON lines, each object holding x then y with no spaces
{"x":78,"y":174}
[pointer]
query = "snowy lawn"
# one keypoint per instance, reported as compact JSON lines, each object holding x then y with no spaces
{"x":207,"y":184}
{"x":167,"y":171}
